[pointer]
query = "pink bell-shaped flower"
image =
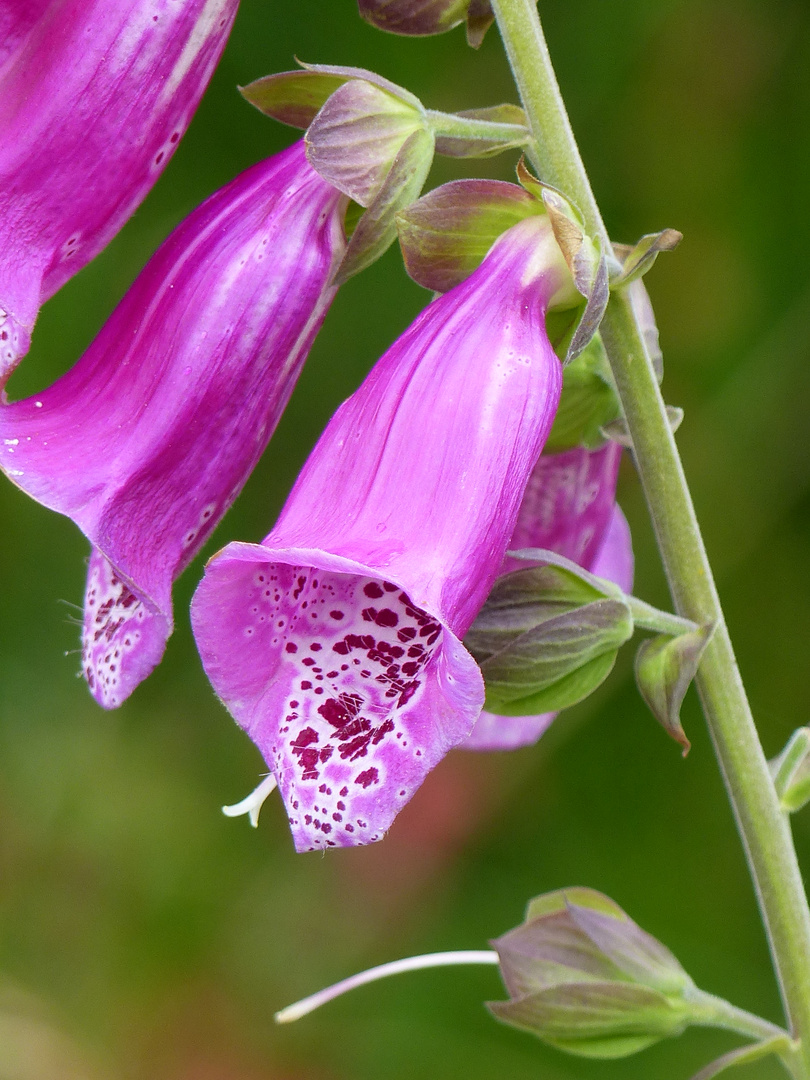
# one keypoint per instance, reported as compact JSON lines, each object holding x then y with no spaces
{"x":336,"y":642}
{"x":148,"y":439}
{"x":94,"y":97}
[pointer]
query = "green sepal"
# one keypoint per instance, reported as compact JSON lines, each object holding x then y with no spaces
{"x":296,"y":97}
{"x":583,"y":255}
{"x":589,"y":405}
{"x":665,"y":666}
{"x":545,"y":639}
{"x":291,"y":97}
{"x":791,"y":772}
{"x":637,"y":259}
{"x":562,"y":694}
{"x":596,"y":1020}
{"x":467,"y":147}
{"x":446,"y":234}
{"x":357,"y":135}
{"x":480,"y":17}
{"x":377,"y":228}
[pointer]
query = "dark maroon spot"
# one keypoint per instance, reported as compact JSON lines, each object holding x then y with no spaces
{"x":316,"y":646}
{"x":336,"y":614}
{"x":350,"y":828}
{"x":344,"y":791}
{"x":407,"y":693}
{"x":337,"y":817}
{"x":389,"y":586}
{"x":291,"y":646}
{"x":382,"y":730}
{"x":364,"y":779}
{"x":387,"y":618}
{"x":341,"y":805}
{"x":326,"y":827}
{"x":306,"y":685}
{"x":406,"y":633}
{"x":309,"y":760}
{"x":370,"y":614}
{"x":293,"y":704}
{"x":373,"y":590}
{"x":306,"y":737}
{"x":308,"y":661}
{"x":341,"y":647}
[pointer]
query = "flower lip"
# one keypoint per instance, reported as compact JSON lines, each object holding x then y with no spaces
{"x":368,"y":691}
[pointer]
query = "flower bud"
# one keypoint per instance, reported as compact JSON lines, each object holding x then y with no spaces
{"x":791,"y":772}
{"x":419,"y":18}
{"x":585,"y":978}
{"x":545,"y":639}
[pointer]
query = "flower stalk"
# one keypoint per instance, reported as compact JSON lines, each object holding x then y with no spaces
{"x":469,"y":127}
{"x":764,"y":830}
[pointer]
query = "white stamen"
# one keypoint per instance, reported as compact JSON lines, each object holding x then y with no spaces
{"x":252,"y":804}
{"x":396,"y":967}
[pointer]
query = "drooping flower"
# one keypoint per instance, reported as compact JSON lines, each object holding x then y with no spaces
{"x":569,"y":507}
{"x":335,"y":643}
{"x":148,"y":439}
{"x":94,"y":97}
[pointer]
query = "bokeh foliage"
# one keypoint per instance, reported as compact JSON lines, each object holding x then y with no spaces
{"x":157,"y":936}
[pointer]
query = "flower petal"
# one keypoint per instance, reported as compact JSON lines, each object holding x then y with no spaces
{"x":383,"y":554}
{"x":146,"y":442}
{"x":94,"y":97}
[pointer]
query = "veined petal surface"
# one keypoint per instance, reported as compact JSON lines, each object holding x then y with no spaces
{"x":94,"y":97}
{"x":148,"y":439}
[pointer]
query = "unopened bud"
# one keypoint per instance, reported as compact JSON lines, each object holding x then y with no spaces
{"x":791,"y":772}
{"x":545,"y":639}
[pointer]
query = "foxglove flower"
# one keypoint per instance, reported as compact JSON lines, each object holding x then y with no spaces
{"x":336,"y":642}
{"x":569,"y":507}
{"x":94,"y":97}
{"x":146,"y":442}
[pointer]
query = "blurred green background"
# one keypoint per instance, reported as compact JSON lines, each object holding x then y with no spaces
{"x":145,"y":937}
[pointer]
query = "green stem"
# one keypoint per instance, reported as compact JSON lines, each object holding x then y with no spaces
{"x":763,"y":827}
{"x":468,"y":128}
{"x":710,"y":1011}
{"x":647,"y":617}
